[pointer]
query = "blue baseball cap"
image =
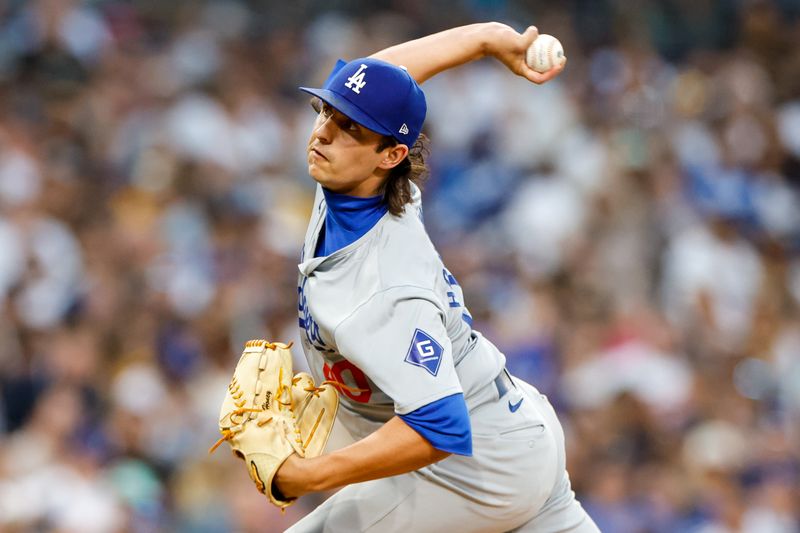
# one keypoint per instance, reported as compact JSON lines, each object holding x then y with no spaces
{"x":378,"y":95}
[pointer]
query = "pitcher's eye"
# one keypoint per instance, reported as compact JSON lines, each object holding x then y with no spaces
{"x":326,"y":110}
{"x":349,"y":125}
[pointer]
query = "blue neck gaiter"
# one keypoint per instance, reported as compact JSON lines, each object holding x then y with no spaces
{"x":348,"y":219}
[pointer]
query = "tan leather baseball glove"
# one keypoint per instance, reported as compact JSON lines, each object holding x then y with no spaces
{"x":268,"y":413}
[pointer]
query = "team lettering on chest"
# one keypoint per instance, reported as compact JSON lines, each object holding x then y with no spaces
{"x":307,"y":321}
{"x":339,"y":370}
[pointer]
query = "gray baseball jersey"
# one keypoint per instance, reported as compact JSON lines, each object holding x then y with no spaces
{"x":385,"y":316}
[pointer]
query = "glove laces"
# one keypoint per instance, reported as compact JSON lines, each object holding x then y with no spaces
{"x":237,"y":425}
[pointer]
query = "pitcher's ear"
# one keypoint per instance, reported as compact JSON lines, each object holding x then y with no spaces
{"x":393,"y":156}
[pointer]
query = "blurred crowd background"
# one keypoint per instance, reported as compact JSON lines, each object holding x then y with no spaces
{"x":629,"y":235}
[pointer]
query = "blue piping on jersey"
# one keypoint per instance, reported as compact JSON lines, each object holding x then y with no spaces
{"x":347,"y":220}
{"x":444,"y":423}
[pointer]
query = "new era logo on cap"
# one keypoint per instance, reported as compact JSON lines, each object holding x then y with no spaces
{"x":404,"y":129}
{"x":425,"y":352}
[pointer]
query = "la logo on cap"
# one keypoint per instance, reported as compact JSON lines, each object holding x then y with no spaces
{"x":356,"y":81}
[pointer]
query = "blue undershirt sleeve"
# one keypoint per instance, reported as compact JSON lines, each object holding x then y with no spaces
{"x":444,"y":423}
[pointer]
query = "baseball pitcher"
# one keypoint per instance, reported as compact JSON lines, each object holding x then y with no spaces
{"x":440,"y":434}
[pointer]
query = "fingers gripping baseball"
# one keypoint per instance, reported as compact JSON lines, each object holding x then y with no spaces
{"x":511,"y":48}
{"x":529,"y":35}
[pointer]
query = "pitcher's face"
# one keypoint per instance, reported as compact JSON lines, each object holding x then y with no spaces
{"x":343,"y":155}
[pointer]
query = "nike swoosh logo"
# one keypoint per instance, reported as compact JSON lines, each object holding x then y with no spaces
{"x":514,"y":406}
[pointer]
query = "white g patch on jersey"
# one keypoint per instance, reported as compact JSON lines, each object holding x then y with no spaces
{"x":424,"y":352}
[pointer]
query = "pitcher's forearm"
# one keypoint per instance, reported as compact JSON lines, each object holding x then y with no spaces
{"x":427,"y":56}
{"x":394,"y":449}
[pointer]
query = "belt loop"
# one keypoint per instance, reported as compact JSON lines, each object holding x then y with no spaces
{"x":503,"y":383}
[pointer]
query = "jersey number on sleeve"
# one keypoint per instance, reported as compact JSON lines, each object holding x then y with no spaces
{"x":356,"y":378}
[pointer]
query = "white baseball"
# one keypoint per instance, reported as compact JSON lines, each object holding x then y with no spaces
{"x":545,"y":53}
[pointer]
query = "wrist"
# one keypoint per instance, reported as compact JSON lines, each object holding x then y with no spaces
{"x":492,"y":35}
{"x":292,"y":479}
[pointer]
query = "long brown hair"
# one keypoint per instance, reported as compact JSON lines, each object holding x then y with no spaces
{"x":396,"y":189}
